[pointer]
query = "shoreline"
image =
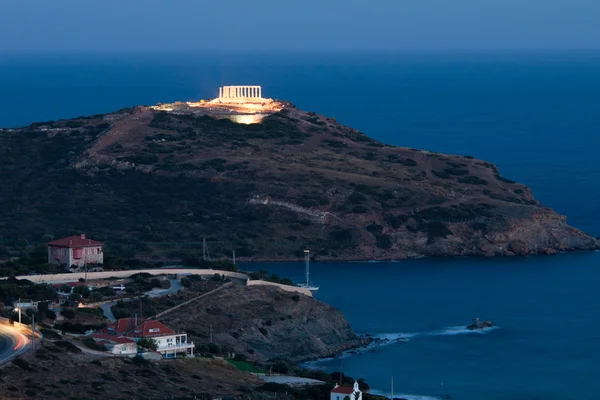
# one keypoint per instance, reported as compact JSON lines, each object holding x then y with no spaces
{"x":397,"y":259}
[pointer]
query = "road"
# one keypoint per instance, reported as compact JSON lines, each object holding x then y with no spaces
{"x":175,"y":287}
{"x":12,"y":342}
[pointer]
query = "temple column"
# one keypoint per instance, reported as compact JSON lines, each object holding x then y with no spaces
{"x":220,"y":92}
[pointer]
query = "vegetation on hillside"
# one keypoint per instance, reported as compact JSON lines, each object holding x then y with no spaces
{"x":155,"y":192}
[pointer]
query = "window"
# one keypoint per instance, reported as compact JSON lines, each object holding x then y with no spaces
{"x":123,"y":348}
{"x":153,"y":330}
{"x":77,"y":253}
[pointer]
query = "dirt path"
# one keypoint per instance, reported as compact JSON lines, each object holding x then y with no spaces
{"x":228,"y":284}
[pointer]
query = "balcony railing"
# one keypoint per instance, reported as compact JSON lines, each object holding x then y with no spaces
{"x":176,"y":346}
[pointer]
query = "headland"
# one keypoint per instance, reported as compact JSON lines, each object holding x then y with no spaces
{"x":164,"y":177}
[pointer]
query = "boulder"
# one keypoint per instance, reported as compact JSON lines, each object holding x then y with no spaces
{"x":519,"y":247}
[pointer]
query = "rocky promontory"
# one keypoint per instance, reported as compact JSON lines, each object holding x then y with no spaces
{"x":155,"y":183}
{"x":265,"y":323}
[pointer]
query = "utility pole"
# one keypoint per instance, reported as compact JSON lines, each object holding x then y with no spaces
{"x":85,"y":266}
{"x":233,"y":257}
{"x":211,"y":333}
{"x":33,"y":331}
{"x":204,"y":249}
{"x":19,"y":308}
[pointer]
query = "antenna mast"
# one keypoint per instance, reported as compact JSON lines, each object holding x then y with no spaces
{"x":307,"y":264}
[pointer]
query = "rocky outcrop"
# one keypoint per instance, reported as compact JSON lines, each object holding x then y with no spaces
{"x":477,"y":325}
{"x":266,"y":323}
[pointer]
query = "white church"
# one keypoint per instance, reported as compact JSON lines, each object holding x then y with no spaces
{"x":345,"y":392}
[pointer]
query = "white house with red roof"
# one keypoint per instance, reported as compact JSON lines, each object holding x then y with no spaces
{"x":346,"y":392}
{"x":75,"y":250}
{"x":170,"y":343}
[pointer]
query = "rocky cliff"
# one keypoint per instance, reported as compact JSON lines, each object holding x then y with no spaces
{"x":265,"y":323}
{"x":155,"y":183}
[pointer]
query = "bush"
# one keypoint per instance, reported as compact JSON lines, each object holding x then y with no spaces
{"x":68,"y":313}
{"x":91,"y":344}
{"x":50,"y":334}
{"x":441,"y":174}
{"x":435,"y":230}
{"x":359,"y":209}
{"x":472,"y":180}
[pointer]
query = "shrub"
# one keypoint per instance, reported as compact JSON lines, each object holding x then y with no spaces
{"x":479,"y":226}
{"x":68,"y":313}
{"x":435,"y":230}
{"x":441,"y":174}
{"x":359,"y":209}
{"x":91,"y":344}
{"x":357,"y":198}
{"x":472,"y":180}
{"x":503,"y":179}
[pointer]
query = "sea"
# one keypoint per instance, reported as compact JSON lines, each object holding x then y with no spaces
{"x":534,"y":115}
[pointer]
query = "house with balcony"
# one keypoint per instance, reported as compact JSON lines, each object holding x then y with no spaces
{"x":170,"y":343}
{"x":75,"y":251}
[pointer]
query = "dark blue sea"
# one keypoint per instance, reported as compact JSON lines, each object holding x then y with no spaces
{"x":536,"y":116}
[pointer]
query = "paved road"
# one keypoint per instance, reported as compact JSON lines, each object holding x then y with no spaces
{"x":175,"y":287}
{"x":12,"y":342}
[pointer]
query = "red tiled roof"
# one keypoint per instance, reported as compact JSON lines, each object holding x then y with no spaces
{"x":75,"y":241}
{"x":121,"y":340}
{"x":343,"y":390}
{"x":109,"y":338}
{"x":122,"y":326}
{"x":153,"y":328}
{"x":126,"y":326}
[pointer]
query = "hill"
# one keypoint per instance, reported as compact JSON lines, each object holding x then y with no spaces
{"x":265,"y":323}
{"x":154,"y":183}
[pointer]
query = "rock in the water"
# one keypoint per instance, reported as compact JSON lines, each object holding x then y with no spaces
{"x":479,"y":325}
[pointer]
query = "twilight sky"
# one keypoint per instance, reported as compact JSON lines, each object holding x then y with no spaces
{"x":136,"y":25}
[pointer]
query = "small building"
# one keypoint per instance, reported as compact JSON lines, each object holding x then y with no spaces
{"x":170,"y":343}
{"x":346,"y":392}
{"x":75,"y":251}
{"x":117,"y":344}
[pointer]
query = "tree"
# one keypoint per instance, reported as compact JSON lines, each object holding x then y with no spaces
{"x":148,"y":344}
{"x":95,"y":297}
{"x":64,"y":288}
{"x":82,"y":290}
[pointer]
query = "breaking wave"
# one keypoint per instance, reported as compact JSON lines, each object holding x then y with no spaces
{"x":387,"y":339}
{"x":404,"y":396}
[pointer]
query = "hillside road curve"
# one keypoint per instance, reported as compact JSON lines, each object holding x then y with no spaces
{"x":12,"y":343}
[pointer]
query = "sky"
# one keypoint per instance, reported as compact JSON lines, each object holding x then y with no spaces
{"x":297,"y":25}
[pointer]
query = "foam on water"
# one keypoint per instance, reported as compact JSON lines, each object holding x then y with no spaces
{"x":387,"y":339}
{"x":404,"y":396}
